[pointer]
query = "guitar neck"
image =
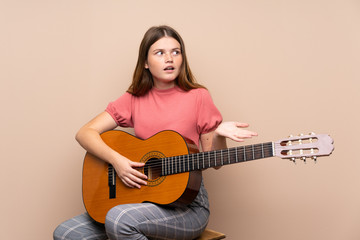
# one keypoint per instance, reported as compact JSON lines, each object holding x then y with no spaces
{"x":216,"y":158}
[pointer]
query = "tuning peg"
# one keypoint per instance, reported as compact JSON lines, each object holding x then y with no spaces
{"x":314,"y":158}
{"x":289,"y":143}
{"x":304,"y":159}
{"x":311,"y":139}
{"x":293,"y":160}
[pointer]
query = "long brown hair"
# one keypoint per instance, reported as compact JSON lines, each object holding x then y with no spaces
{"x":142,"y":79}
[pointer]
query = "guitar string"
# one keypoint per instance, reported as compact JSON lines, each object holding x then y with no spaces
{"x":231,"y":152}
{"x":172,"y":167}
{"x":173,"y":160}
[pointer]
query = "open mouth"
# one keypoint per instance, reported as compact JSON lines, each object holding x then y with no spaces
{"x":169,"y":68}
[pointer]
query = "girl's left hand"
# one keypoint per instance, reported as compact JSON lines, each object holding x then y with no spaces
{"x":234,"y":131}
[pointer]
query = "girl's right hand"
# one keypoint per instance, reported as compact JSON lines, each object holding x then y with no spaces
{"x":127,"y":172}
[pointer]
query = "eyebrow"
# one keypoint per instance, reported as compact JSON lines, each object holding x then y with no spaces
{"x":161,"y":49}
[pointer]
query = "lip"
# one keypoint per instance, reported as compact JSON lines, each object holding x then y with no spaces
{"x":169,"y":68}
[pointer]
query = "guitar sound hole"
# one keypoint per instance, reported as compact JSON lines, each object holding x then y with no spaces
{"x":152,"y":168}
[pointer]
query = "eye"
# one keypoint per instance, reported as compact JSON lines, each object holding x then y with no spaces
{"x":176,"y":52}
{"x":159,"y":53}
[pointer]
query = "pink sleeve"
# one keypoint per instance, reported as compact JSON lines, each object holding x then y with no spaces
{"x":208,"y":115}
{"x":120,"y":110}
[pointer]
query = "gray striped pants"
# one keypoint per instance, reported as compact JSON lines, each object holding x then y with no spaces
{"x":140,"y":221}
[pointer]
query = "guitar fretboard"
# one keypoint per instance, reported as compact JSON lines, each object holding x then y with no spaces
{"x":203,"y":160}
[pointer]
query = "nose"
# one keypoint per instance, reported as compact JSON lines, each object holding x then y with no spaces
{"x":168,"y":57}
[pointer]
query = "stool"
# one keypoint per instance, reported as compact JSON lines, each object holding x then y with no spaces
{"x":209,"y":234}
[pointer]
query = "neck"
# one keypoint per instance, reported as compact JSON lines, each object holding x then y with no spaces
{"x":164,"y":85}
{"x":203,"y":160}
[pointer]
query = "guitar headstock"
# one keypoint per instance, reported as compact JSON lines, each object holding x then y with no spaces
{"x":304,"y":146}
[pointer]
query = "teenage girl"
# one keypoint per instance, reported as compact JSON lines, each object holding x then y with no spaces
{"x":163,"y":95}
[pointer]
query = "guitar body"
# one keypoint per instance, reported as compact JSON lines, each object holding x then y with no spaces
{"x":174,"y":189}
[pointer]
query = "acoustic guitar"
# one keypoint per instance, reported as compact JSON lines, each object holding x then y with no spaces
{"x":173,"y":165}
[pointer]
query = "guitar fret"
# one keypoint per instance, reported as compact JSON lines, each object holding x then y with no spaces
{"x":209,"y":158}
{"x":169,"y":165}
{"x":181,"y":164}
{"x":215,"y":157}
{"x":236,"y":155}
{"x":175,"y":161}
{"x":184,"y":165}
{"x":198,"y":161}
{"x":253,"y":153}
{"x":262,"y":150}
{"x":192,"y":163}
{"x":244,"y":154}
{"x":222,"y":160}
{"x":175,"y":166}
{"x":188,"y":163}
{"x":203,"y":161}
{"x":229,"y":155}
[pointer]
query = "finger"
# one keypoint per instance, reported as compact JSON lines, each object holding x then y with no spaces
{"x":131,"y":183}
{"x":140,"y":176}
{"x":127,"y":182}
{"x":135,"y":172}
{"x":242,"y":125}
{"x":251,"y":133}
{"x":246,"y":133}
{"x":240,"y":137}
{"x":137,"y":164}
{"x":137,"y":180}
{"x":236,"y":138}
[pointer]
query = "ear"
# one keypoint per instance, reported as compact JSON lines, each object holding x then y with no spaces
{"x":146,"y":65}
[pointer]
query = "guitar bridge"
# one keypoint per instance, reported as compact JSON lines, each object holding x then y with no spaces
{"x":112,"y":181}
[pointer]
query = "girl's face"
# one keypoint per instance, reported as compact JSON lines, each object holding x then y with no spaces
{"x":164,"y":61}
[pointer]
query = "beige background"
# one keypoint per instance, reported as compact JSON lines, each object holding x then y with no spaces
{"x":285,"y":67}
